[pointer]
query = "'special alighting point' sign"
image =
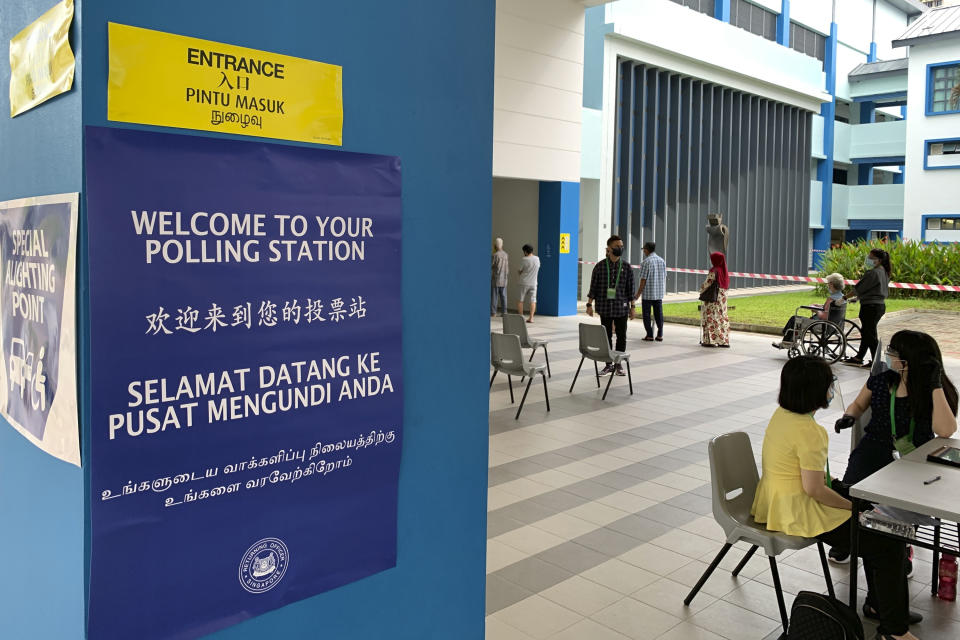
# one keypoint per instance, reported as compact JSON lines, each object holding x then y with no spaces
{"x":171,"y":80}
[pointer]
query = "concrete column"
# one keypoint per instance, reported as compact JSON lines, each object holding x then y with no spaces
{"x":821,"y":237}
{"x":721,"y":10}
{"x":558,"y":242}
{"x":783,"y":24}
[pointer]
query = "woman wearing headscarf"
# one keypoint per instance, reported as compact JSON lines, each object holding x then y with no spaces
{"x":714,"y":323}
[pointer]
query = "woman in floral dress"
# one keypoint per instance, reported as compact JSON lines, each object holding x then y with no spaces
{"x":714,"y":323}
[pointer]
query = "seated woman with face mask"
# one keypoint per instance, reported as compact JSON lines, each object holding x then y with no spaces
{"x":794,"y":494}
{"x":911,"y":402}
{"x":833,"y":310}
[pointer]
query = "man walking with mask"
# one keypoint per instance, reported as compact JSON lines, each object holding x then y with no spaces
{"x":611,"y":286}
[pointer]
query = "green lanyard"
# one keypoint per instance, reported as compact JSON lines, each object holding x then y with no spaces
{"x":829,"y":477}
{"x":905,"y":444}
{"x":619,"y":269}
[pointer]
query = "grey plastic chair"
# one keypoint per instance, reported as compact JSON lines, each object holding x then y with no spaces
{"x":734,"y":479}
{"x":516,"y":325}
{"x":506,"y":356}
{"x":595,"y":346}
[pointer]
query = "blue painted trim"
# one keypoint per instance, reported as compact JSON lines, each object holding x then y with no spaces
{"x":885,"y":98}
{"x":926,"y":154}
{"x":923,"y":224}
{"x":898,"y":177}
{"x":721,"y":10}
{"x":783,"y":24}
{"x":874,"y":224}
{"x":903,"y":111}
{"x":821,"y":237}
{"x":868,"y":111}
{"x":928,"y":100}
{"x":879,"y":161}
{"x":864,"y":174}
{"x":872,"y":56}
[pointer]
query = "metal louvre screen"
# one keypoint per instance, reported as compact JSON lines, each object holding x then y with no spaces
{"x":685,"y":148}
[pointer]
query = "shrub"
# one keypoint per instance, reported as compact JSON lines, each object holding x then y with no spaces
{"x":911,"y":262}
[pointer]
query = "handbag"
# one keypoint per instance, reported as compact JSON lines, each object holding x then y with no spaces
{"x":711,"y":293}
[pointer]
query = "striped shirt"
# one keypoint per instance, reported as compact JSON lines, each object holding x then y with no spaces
{"x":654,"y":270}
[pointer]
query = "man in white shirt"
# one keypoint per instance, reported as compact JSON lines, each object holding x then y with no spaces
{"x":529,"y":268}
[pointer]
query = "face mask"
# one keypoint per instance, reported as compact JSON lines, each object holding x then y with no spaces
{"x":836,"y":295}
{"x":869,"y":263}
{"x":889,"y":360}
{"x":617,"y":251}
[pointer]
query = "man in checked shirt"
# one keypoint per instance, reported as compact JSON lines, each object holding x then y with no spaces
{"x":611,"y":286}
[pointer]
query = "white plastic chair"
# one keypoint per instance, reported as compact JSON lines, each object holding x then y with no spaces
{"x":734,"y":479}
{"x":516,"y":325}
{"x":506,"y":356}
{"x":595,"y":345}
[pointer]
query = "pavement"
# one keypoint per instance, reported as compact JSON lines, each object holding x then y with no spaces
{"x":944,"y":326}
{"x":599,"y":511}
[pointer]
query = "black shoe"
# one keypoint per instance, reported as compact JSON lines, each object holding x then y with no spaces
{"x":607,"y":370}
{"x":838,"y":556}
{"x":912,"y":616}
{"x":856,"y":362}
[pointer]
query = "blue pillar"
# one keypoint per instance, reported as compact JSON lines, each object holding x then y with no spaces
{"x":721,"y":10}
{"x":783,"y":24}
{"x":867,"y":112}
{"x":864,"y":174}
{"x":872,"y":56}
{"x":821,"y":237}
{"x":559,"y":214}
{"x":898,"y":177}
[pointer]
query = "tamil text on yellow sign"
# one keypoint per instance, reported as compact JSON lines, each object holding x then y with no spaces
{"x":41,"y":62}
{"x":174,"y":81}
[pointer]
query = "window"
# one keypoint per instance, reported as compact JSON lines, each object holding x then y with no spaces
{"x":943,"y":88}
{"x":703,"y":6}
{"x":942,"y":154}
{"x":943,"y":224}
{"x":807,"y":41}
{"x":753,"y":18}
{"x":839,"y":176}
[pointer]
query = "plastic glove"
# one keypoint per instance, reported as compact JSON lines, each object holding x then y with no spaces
{"x":845,"y":422}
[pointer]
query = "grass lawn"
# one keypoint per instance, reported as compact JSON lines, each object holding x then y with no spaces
{"x":773,"y":310}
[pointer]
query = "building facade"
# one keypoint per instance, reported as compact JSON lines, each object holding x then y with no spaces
{"x":932,"y":198}
{"x":787,"y":117}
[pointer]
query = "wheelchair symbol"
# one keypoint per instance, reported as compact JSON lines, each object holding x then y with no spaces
{"x":22,"y":374}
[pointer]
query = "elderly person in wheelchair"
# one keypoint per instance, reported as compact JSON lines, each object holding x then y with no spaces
{"x":831,"y":312}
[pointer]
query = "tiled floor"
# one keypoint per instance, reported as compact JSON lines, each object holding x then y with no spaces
{"x":599,"y":511}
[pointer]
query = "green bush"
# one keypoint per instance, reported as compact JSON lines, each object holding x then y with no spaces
{"x":911,"y":262}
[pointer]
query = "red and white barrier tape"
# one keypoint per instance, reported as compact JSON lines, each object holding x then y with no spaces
{"x":767,"y":276}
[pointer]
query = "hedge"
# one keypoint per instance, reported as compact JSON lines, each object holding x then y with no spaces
{"x":911,"y":262}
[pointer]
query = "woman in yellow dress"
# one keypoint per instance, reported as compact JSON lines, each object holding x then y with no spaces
{"x":794,"y":495}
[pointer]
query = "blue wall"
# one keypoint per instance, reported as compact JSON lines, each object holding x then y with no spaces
{"x":41,"y":498}
{"x":559,"y":213}
{"x":417,"y":83}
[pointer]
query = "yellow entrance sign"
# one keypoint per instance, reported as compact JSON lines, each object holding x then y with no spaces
{"x":564,"y":243}
{"x":175,"y":81}
{"x":41,"y":61}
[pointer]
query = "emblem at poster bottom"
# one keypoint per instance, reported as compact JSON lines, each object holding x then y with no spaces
{"x":263,"y":565}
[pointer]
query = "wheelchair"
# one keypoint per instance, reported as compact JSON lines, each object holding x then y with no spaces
{"x":830,"y":339}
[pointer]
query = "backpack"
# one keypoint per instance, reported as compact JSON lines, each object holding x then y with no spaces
{"x":819,"y":617}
